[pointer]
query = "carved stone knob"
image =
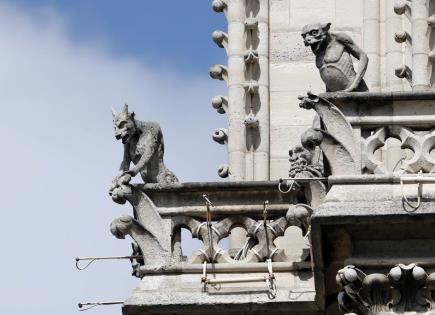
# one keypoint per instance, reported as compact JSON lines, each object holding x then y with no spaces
{"x":219,"y":72}
{"x":251,"y":121}
{"x":297,"y":215}
{"x":431,"y":20}
{"x":400,"y":37}
{"x":400,"y":6}
{"x":220,"y":136}
{"x":120,"y":226}
{"x":224,"y":170}
{"x":219,"y":103}
{"x":251,"y":56}
{"x":395,"y":274}
{"x":251,"y":23}
{"x":403,"y":72}
{"x":346,"y":275}
{"x":219,"y":5}
{"x":219,"y":37}
{"x":311,"y":138}
{"x":419,"y":274}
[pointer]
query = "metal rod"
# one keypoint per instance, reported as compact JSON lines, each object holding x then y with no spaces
{"x":201,"y":211}
{"x":226,"y":268}
{"x":265,"y":206}
{"x":380,"y":179}
{"x":208,"y":204}
{"x":350,"y":179}
{"x":236,"y":280}
{"x":418,"y":180}
{"x":90,"y":305}
{"x":107,"y":258}
{"x":303,"y":179}
{"x":93,"y":259}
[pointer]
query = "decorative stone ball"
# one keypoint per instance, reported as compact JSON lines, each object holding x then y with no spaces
{"x":311,"y":138}
{"x":296,"y":214}
{"x":395,"y":273}
{"x":418,"y":273}
{"x":431,"y":282}
{"x":218,"y":5}
{"x":400,"y":7}
{"x":350,"y":275}
{"x":216,"y":72}
{"x":400,"y":36}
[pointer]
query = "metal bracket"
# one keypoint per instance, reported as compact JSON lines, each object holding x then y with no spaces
{"x":93,"y":259}
{"x":412,"y":179}
{"x":88,"y":305}
{"x":269,"y":279}
{"x":290,"y":181}
{"x":208,"y":205}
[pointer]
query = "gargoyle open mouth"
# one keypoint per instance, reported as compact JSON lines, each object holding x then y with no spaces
{"x":125,"y":139}
{"x":316,"y":46}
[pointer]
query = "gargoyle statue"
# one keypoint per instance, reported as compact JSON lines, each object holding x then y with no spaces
{"x":333,"y":53}
{"x":305,"y":159}
{"x":143,"y":145}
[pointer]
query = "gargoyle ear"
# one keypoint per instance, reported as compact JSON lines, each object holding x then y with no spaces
{"x":132,"y":114}
{"x":114,"y":113}
{"x":326,"y":26}
{"x":125,"y":109}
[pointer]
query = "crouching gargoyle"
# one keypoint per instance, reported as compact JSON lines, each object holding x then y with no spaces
{"x":143,"y":146}
{"x":333,"y":53}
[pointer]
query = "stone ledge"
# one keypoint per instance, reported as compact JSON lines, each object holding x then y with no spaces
{"x":378,"y":96}
{"x":182,"y":294}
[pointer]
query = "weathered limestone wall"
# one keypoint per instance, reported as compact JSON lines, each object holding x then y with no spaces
{"x":269,"y":66}
{"x":396,"y":36}
{"x":292,"y":68}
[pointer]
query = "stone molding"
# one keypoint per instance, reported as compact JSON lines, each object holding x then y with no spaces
{"x":406,"y":289}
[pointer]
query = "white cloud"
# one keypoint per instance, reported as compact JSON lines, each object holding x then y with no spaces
{"x":58,"y":156}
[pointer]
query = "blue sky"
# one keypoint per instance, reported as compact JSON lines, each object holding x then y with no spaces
{"x":63,"y":64}
{"x":170,"y":34}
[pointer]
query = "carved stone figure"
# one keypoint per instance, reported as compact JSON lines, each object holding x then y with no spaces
{"x":333,"y":58}
{"x":407,"y":289}
{"x":337,"y":140}
{"x":143,"y":145}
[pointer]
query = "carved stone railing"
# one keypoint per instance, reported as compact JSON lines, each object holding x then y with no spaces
{"x":161,"y":211}
{"x":263,"y":268}
{"x":377,"y":153}
{"x":357,"y":125}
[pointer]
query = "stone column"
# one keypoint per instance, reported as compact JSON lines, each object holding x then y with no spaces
{"x":235,"y":44}
{"x":236,"y":91}
{"x":261,"y":165}
{"x":420,"y":45}
{"x":393,"y":50}
{"x":372,"y":43}
{"x":247,"y":46}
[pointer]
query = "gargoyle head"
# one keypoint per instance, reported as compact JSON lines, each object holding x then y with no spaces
{"x":300,"y":155}
{"x":124,"y":124}
{"x":315,"y":34}
{"x":121,"y":189}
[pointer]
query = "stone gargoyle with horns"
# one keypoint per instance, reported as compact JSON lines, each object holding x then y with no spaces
{"x":144,"y":147}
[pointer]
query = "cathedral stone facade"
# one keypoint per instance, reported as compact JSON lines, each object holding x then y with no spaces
{"x":329,"y":199}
